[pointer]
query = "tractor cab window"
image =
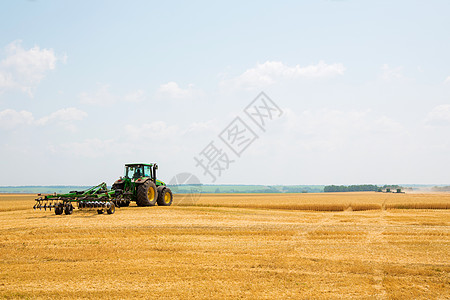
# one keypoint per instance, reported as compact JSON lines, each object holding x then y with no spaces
{"x":138,"y":172}
{"x":134,"y":172}
{"x":129,"y":172}
{"x":147,"y":171}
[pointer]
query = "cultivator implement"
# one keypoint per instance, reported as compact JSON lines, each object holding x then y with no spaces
{"x":97,"y":197}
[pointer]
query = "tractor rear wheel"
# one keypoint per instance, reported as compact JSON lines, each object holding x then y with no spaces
{"x":165,"y":196}
{"x":146,"y":194}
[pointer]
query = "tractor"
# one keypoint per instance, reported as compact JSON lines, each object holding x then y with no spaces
{"x":139,"y":184}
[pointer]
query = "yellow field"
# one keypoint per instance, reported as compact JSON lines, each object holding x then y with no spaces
{"x":313,"y":246}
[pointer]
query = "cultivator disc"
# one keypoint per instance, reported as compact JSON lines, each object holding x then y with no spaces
{"x":58,"y":205}
{"x":121,"y":202}
{"x":67,"y":206}
{"x":42,"y":203}
{"x":101,"y":206}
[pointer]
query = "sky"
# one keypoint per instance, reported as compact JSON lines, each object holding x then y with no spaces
{"x":353,"y":92}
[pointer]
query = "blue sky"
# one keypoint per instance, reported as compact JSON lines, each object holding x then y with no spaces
{"x":86,"y":86}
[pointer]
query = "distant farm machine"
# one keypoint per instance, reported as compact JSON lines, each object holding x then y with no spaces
{"x":139,"y":184}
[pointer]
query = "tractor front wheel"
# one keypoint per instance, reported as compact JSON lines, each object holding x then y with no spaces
{"x":146,"y":194}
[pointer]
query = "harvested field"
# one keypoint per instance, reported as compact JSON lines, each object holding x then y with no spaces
{"x":271,"y":246}
{"x":357,"y":201}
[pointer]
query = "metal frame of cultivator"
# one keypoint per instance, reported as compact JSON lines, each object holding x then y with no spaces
{"x":97,"y":197}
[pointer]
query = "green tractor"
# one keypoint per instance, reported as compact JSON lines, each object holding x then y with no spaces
{"x":139,"y":184}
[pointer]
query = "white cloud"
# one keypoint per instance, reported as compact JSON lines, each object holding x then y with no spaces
{"x":447,"y":80}
{"x":63,"y":116}
{"x":328,"y":130}
{"x":6,"y":80}
{"x":202,"y":128}
{"x":24,"y":69}
{"x":157,"y":136}
{"x":391,"y":73}
{"x":102,"y":96}
{"x":172,"y":90}
{"x":272,"y":71}
{"x":91,"y":148}
{"x":10,"y":118}
{"x":162,"y":130}
{"x":154,"y":130}
{"x":136,"y":96}
{"x":439,"y":116}
{"x":385,"y":125}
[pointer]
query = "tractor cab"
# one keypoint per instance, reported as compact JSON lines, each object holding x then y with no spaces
{"x":140,"y":171}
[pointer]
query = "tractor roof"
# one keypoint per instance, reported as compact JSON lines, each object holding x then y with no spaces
{"x":138,"y":164}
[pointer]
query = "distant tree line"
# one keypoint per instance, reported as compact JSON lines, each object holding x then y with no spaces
{"x":241,"y":189}
{"x":351,"y":188}
{"x":302,"y":189}
{"x":441,"y":189}
{"x":359,"y":188}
